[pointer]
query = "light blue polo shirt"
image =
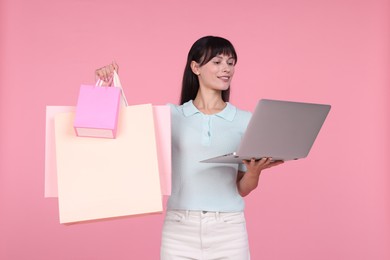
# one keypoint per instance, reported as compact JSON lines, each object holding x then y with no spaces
{"x":195,"y":137}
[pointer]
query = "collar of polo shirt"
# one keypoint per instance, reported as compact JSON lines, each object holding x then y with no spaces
{"x":227,"y":113}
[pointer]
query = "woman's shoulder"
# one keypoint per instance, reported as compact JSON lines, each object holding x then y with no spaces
{"x":175,"y":108}
{"x":242,"y":113}
{"x":171,"y":105}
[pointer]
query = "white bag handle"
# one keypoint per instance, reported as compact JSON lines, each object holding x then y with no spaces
{"x":117,"y":83}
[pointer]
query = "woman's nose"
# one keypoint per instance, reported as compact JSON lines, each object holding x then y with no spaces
{"x":226,"y":68}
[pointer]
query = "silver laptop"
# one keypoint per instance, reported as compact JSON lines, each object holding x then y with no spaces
{"x":283,"y":130}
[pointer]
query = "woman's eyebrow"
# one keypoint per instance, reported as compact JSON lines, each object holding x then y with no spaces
{"x":221,"y":56}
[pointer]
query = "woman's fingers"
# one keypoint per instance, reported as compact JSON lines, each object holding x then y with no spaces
{"x":106,"y":73}
{"x":263,"y":163}
{"x":115,"y":66}
{"x":102,"y":74}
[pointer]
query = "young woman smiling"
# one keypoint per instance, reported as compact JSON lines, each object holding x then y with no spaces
{"x":205,"y":212}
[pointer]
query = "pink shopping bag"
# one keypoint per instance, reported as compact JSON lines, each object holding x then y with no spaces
{"x":97,"y":110}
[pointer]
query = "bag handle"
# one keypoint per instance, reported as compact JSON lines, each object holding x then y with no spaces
{"x":116,"y":83}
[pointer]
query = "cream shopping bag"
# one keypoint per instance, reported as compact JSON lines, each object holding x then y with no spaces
{"x":106,"y":178}
{"x":162,"y":124}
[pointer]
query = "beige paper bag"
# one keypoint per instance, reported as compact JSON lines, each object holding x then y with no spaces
{"x":162,"y":124}
{"x":105,"y":178}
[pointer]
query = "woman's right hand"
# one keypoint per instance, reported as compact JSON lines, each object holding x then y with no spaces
{"x":106,"y":73}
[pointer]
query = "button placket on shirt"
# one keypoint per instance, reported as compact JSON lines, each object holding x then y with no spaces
{"x":206,"y":134}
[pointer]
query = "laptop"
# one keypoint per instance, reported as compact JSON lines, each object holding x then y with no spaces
{"x":282,"y":130}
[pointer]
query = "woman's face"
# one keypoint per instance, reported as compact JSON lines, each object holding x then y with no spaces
{"x":217,"y":73}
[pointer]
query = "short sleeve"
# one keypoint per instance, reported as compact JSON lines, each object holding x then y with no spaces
{"x":242,"y":167}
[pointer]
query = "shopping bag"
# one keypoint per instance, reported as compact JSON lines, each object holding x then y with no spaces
{"x":97,"y":110}
{"x":162,"y":123}
{"x":50,"y":149}
{"x":104,"y":178}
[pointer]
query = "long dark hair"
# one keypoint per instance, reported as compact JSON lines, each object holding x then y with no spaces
{"x":202,"y":51}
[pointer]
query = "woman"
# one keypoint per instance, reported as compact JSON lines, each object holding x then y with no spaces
{"x":204,"y":218}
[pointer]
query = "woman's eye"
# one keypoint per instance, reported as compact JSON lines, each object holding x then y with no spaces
{"x":217,"y":62}
{"x":231,"y":62}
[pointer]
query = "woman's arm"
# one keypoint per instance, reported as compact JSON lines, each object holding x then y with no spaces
{"x":248,"y":181}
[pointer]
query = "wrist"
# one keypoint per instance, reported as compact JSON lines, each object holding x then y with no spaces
{"x":253,"y":173}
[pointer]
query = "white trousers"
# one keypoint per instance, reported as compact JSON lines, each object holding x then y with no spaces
{"x":199,"y":235}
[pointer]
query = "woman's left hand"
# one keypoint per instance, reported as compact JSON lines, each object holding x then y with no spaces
{"x":256,"y":166}
{"x":248,"y":181}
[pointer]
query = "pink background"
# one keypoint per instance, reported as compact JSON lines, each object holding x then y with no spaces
{"x":333,"y":205}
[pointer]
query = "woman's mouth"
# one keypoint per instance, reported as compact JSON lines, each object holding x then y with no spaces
{"x":224,"y":78}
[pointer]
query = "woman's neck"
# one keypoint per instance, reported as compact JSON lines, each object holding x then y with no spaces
{"x":209,"y":104}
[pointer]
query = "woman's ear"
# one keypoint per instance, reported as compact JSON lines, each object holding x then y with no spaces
{"x":195,"y":68}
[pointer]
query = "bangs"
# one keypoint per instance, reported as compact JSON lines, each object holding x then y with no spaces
{"x":218,"y":46}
